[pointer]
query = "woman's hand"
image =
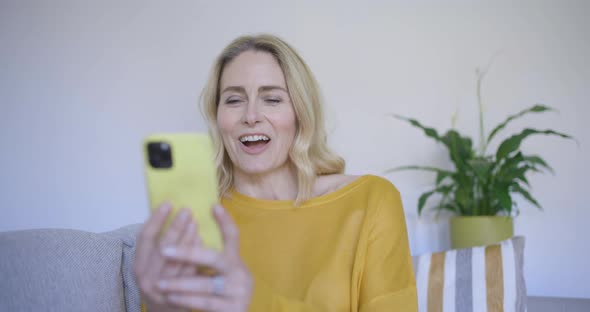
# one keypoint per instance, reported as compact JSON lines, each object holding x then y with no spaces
{"x":150,"y":266}
{"x":230,"y":290}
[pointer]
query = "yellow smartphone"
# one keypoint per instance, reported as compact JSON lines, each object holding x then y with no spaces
{"x":180,"y":169}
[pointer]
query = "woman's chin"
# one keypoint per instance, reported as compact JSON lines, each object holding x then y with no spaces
{"x":261,"y":165}
{"x":256,"y":169}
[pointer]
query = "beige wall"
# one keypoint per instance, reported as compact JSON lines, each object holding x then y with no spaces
{"x":81,"y":84}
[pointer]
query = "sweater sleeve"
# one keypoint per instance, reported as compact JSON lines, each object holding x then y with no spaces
{"x":388,"y":282}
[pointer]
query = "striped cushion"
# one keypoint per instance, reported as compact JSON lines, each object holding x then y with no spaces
{"x":479,"y":279}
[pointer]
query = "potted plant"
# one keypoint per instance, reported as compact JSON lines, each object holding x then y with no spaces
{"x":480,"y":188}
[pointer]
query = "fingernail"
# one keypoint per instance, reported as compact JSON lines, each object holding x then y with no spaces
{"x":191,"y":227}
{"x":165,"y":207}
{"x":184,"y":214}
{"x":169,"y":251}
{"x":163,"y":284}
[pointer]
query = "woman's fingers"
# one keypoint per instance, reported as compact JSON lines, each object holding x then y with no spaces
{"x":176,"y":268}
{"x":148,"y":260}
{"x":229,"y":231}
{"x":173,"y":237}
{"x":197,"y":255}
{"x":229,"y":290}
{"x":204,"y":303}
{"x":147,"y":238}
{"x":196,"y":239}
{"x":195,"y":285}
{"x":176,"y":228}
{"x":191,"y":238}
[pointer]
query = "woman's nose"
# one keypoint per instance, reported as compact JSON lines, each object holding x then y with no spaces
{"x":252,"y":115}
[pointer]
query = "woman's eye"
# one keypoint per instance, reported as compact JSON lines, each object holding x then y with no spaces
{"x":232,"y":101}
{"x":273,"y":100}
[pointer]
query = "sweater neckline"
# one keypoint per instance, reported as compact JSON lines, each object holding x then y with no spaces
{"x":245,"y":200}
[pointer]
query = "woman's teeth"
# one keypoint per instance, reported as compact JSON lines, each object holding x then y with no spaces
{"x":254,"y":138}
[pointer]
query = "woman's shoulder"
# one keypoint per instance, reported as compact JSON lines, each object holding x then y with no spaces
{"x":330,"y":183}
{"x":374,"y":194}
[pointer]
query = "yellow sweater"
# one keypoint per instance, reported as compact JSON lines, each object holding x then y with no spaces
{"x":343,"y":251}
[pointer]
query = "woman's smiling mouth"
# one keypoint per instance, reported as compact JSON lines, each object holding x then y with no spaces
{"x":254,"y":143}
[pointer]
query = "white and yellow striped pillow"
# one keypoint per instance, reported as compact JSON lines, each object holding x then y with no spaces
{"x":479,"y":279}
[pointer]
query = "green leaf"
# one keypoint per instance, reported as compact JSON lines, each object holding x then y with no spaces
{"x":447,"y":203}
{"x":509,"y":176}
{"x":481,"y":167}
{"x":444,"y":189}
{"x":422,"y":201}
{"x":534,"y":109}
{"x":441,"y":175}
{"x":450,"y":207}
{"x":421,"y":168}
{"x":504,"y":198}
{"x":524,"y":180}
{"x":536,"y":160}
{"x":429,"y":132}
{"x":508,"y":164}
{"x":463,"y":198}
{"x":519,"y":189}
{"x":460,"y":148}
{"x":512,"y":143}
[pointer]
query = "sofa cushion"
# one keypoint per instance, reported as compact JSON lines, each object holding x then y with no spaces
{"x":128,"y":235}
{"x":473,"y":279}
{"x":60,"y":270}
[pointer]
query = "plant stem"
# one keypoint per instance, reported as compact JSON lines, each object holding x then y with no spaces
{"x":482,"y":140}
{"x":483,"y":144}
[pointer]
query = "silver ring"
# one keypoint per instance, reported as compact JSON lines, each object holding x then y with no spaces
{"x":218,"y":285}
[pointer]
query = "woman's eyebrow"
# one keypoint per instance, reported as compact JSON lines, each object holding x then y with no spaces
{"x":270,"y":88}
{"x":240,"y":89}
{"x":234,"y":89}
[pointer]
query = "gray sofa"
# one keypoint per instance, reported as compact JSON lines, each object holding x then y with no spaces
{"x":68,"y":270}
{"x":71,"y":270}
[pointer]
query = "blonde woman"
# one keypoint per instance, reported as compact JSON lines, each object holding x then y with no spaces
{"x":310,"y":238}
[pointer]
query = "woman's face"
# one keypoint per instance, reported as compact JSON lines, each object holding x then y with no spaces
{"x":255,"y":115}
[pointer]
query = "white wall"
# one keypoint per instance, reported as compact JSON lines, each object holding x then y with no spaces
{"x":81,"y":84}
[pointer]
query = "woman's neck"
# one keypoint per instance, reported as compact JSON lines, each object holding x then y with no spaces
{"x":279,"y":184}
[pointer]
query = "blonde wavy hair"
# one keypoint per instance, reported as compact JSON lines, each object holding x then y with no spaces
{"x":309,"y":153}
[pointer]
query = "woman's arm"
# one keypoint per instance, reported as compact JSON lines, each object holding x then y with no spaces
{"x":388,"y":281}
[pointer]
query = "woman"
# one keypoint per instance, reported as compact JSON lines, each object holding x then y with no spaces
{"x":310,"y":238}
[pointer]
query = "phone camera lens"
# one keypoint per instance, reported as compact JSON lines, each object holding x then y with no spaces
{"x":159,"y":155}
